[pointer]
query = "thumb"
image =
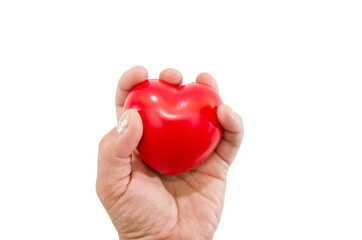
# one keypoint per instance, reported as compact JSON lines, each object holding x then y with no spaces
{"x":115,"y":153}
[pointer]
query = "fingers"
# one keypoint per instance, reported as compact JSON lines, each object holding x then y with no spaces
{"x":138,"y":74}
{"x":206,"y":78}
{"x":115,"y":149}
{"x":128,"y":80}
{"x":135,"y":76}
{"x":233,"y":133}
{"x":171,"y":76}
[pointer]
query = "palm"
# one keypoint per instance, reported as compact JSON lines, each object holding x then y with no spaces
{"x":163,"y":206}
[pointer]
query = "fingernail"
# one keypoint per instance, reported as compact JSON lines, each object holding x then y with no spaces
{"x":123,"y":122}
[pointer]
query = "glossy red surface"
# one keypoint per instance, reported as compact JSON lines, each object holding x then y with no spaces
{"x":180,"y":126}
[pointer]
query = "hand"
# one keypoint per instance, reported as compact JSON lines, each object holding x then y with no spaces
{"x":144,"y":204}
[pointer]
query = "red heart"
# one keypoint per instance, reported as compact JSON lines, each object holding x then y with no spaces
{"x":180,"y":126}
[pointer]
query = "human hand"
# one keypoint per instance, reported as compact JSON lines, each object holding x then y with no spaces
{"x":144,"y":204}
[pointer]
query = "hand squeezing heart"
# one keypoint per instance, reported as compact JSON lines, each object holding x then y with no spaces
{"x":180,"y":126}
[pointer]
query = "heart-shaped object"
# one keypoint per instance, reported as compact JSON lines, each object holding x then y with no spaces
{"x":180,"y":126}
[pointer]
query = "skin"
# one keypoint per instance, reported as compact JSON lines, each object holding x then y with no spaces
{"x":144,"y":204}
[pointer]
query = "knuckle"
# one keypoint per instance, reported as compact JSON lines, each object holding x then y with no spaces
{"x":103,"y":143}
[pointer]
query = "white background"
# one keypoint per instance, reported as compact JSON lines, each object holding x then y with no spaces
{"x":292,"y":69}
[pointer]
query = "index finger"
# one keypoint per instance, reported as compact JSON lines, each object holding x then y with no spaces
{"x":128,"y":80}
